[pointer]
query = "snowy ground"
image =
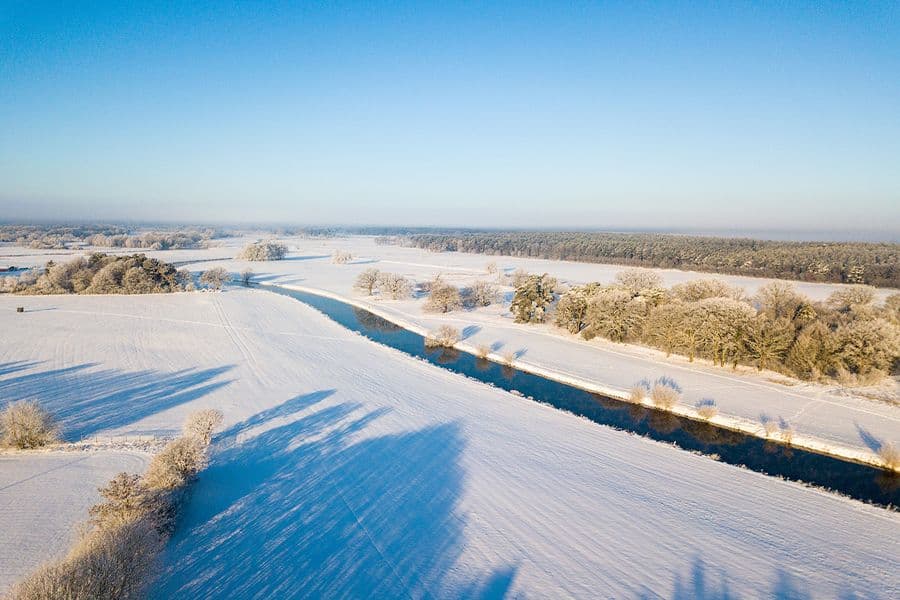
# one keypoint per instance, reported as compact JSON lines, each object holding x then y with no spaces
{"x":43,"y":497}
{"x":848,"y":422}
{"x":349,"y":469}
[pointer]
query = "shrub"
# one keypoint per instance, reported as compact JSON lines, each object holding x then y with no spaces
{"x":126,"y":497}
{"x":215,"y":278}
{"x":444,"y":337}
{"x":176,"y":464}
{"x":246,"y":276}
{"x":262,"y":251}
{"x":707,"y":409}
{"x":443,"y":298}
{"x":638,"y":393}
{"x":482,"y":351}
{"x":890,"y":456}
{"x":202,"y":423}
{"x":509,"y":357}
{"x":25,"y":424}
{"x":482,"y":293}
{"x":341,"y":258}
{"x":394,"y":286}
{"x":664,"y":396}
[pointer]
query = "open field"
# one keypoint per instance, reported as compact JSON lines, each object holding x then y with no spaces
{"x":44,"y":496}
{"x":846,"y":421}
{"x":346,"y":467}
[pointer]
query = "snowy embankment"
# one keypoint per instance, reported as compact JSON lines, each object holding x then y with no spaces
{"x":347,"y":469}
{"x":825,"y":418}
{"x":43,"y":497}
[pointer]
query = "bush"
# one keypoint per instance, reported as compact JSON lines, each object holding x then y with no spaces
{"x":202,"y":423}
{"x":482,"y":351}
{"x":126,"y":498}
{"x":341,"y":258}
{"x":394,"y":286}
{"x":890,"y":456}
{"x":443,"y":298}
{"x":707,"y":409}
{"x":176,"y":464}
{"x":25,"y":424}
{"x":638,"y":393}
{"x":482,"y":293}
{"x":664,"y":396}
{"x":214,"y":278}
{"x":262,"y":251}
{"x":246,"y":276}
{"x":445,"y":337}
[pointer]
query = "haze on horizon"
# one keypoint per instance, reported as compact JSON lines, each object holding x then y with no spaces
{"x":604,"y":115}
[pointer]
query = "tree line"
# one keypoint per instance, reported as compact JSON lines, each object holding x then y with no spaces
{"x":101,"y":274}
{"x":849,"y":337}
{"x":837,"y":262}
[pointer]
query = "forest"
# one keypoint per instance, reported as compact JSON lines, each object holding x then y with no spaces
{"x":875,"y":264}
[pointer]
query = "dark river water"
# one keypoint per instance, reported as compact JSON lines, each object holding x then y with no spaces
{"x":862,"y":482}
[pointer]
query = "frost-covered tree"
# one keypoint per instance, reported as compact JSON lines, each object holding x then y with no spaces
{"x":443,"y":297}
{"x":700,"y":289}
{"x":395,"y":287}
{"x":768,"y":340}
{"x":635,"y":280}
{"x":262,"y":251}
{"x":532,"y":299}
{"x":367,"y":281}
{"x":482,"y":293}
{"x":214,"y":278}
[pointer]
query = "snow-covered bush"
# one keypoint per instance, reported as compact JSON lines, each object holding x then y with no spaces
{"x":214,"y":278}
{"x":664,"y":396}
{"x":443,"y":297}
{"x":482,"y":293}
{"x":395,"y":287}
{"x":341,"y":258}
{"x":262,"y":251}
{"x":444,"y":337}
{"x":202,"y":424}
{"x":25,"y":424}
{"x":176,"y":464}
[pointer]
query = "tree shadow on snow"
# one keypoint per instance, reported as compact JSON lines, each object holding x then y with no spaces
{"x":86,"y":402}
{"x":302,"y":510}
{"x":700,"y":584}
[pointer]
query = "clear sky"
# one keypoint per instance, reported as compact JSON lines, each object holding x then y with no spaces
{"x":597,"y":114}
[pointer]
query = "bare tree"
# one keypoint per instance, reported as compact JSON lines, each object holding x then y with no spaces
{"x":367,"y":281}
{"x":215,"y":278}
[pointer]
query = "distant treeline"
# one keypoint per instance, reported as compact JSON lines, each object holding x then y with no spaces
{"x":837,"y":262}
{"x":108,"y":236}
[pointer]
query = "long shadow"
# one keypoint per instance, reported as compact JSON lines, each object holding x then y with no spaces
{"x":309,"y":257}
{"x":15,"y":366}
{"x":699,"y":585}
{"x":304,"y":511}
{"x":86,"y":402}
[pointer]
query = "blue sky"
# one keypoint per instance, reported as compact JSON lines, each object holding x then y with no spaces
{"x":602,"y":114}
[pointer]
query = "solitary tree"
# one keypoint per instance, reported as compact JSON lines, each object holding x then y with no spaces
{"x":215,"y":278}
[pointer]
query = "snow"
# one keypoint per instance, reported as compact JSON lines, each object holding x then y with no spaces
{"x":43,"y":497}
{"x":349,"y":469}
{"x":824,"y":417}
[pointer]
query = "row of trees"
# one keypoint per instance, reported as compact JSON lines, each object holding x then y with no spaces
{"x":101,"y":274}
{"x":106,"y":236}
{"x":841,"y":262}
{"x":848,"y":335}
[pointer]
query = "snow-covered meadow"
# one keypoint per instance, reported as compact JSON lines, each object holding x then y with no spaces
{"x":346,"y":468}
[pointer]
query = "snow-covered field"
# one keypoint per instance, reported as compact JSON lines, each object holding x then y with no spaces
{"x":846,"y":421}
{"x":43,"y":497}
{"x":349,"y":469}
